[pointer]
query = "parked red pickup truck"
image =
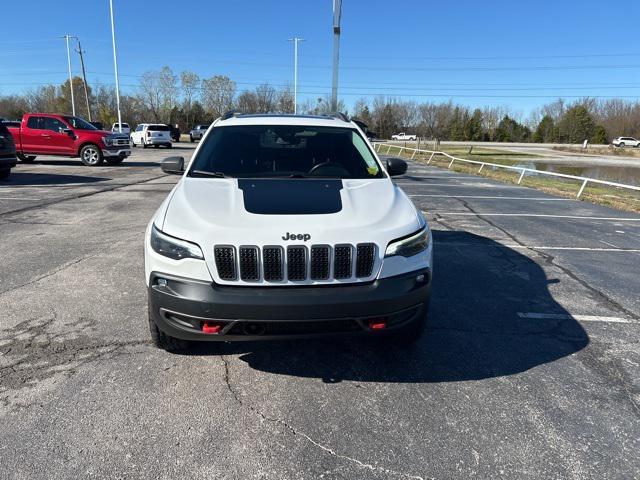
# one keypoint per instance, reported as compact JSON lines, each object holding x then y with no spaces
{"x":68,"y":136}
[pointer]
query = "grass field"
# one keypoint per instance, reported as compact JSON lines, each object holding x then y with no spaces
{"x":619,"y":198}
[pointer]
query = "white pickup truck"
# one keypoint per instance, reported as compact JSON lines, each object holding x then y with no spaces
{"x":626,"y":142}
{"x":404,"y":136}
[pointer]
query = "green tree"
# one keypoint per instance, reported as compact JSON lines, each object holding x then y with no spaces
{"x":546,"y":132}
{"x":457,"y":123}
{"x":600,"y":135}
{"x":576,"y":125}
{"x":511,"y":131}
{"x":473,"y":127}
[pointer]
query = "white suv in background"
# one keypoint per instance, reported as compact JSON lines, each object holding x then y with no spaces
{"x":155,"y":134}
{"x":197,"y":132}
{"x":626,"y":142}
{"x":286,"y":226}
{"x":125,"y":128}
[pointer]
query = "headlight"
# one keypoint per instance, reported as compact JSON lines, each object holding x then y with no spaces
{"x":409,"y":246}
{"x":173,"y":247}
{"x":108,"y":141}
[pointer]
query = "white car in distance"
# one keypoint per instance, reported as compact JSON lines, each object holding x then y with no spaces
{"x":404,"y":136}
{"x":626,"y":142}
{"x":125,"y":128}
{"x":155,"y":134}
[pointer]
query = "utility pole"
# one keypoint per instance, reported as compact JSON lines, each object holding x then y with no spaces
{"x":73,"y":103}
{"x":337,"y":13}
{"x":295,"y":41}
{"x":115,"y":66}
{"x":84,"y":76}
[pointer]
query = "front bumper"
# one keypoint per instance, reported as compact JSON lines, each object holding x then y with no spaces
{"x":181,"y":307}
{"x":116,"y":152}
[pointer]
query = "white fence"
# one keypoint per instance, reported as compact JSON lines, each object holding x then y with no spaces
{"x":521,"y":170}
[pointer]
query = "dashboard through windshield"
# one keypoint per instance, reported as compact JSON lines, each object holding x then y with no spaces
{"x":259,"y":151}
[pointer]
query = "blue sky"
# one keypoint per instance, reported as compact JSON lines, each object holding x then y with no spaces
{"x":515,"y":54}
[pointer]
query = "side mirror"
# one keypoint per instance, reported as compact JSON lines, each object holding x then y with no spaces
{"x":396,"y":166}
{"x":67,"y":131}
{"x":173,"y":165}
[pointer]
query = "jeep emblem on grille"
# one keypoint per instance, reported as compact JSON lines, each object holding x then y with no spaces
{"x":299,"y":236}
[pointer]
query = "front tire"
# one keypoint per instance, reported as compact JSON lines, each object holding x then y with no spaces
{"x":4,"y":173}
{"x":26,"y":158}
{"x":191,"y":138}
{"x":164,"y":341}
{"x":621,"y":144}
{"x":91,"y":155}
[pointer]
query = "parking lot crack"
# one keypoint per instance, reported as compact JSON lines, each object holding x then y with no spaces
{"x":294,"y":431}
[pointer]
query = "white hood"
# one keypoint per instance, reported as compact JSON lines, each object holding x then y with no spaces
{"x":210,"y":211}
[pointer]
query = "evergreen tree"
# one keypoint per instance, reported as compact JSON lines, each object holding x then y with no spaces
{"x":473,"y":127}
{"x":600,"y":135}
{"x":576,"y":125}
{"x":511,"y":131}
{"x":546,"y":132}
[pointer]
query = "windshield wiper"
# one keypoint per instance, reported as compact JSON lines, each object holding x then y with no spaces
{"x":205,"y":173}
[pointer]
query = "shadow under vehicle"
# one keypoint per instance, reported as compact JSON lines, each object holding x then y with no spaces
{"x":474,"y":330}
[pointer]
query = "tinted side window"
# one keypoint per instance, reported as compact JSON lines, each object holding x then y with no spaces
{"x":3,"y":129}
{"x":52,"y":124}
{"x":34,"y":122}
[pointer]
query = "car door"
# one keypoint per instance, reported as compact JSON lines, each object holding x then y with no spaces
{"x":34,"y":138}
{"x":60,"y":141}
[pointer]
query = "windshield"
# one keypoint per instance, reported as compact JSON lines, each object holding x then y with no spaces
{"x":78,"y":123}
{"x":285,"y":151}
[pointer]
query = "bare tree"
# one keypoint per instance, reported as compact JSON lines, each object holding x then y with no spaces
{"x":218,"y":93}
{"x":149,"y":93}
{"x":190,"y":83}
{"x":266,"y":98}
{"x":247,"y":102}
{"x":285,"y":102}
{"x":168,"y":85}
{"x":43,"y":99}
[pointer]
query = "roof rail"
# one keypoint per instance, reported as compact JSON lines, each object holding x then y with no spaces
{"x":229,"y":114}
{"x":341,"y":116}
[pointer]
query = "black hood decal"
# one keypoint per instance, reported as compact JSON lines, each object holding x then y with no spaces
{"x":291,"y":196}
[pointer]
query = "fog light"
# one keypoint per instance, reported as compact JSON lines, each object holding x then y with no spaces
{"x":420,"y":278}
{"x":162,"y":282}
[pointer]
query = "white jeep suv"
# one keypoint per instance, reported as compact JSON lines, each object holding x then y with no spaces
{"x":286,"y":226}
{"x":626,"y":142}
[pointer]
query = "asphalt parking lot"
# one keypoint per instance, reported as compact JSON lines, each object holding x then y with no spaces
{"x":530,"y":367}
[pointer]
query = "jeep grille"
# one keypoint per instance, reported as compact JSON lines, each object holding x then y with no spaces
{"x":296,"y":263}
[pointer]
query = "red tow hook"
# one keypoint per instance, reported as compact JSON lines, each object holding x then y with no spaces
{"x":211,"y":328}
{"x":377,"y":323}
